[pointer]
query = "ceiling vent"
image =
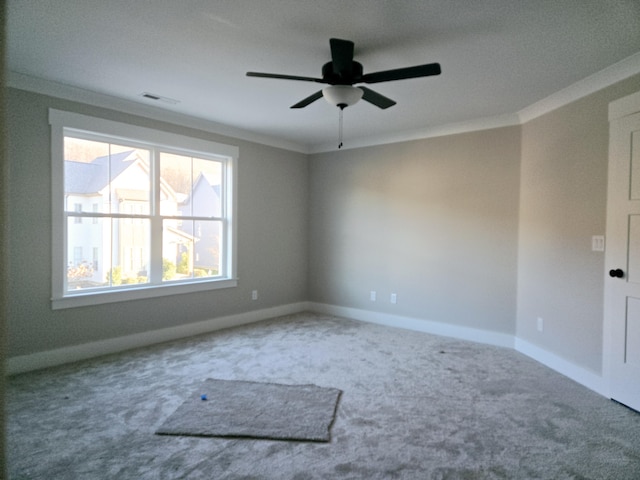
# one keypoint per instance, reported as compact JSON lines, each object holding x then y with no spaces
{"x":159,"y":98}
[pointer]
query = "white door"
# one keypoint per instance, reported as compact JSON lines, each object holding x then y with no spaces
{"x":622,"y":260}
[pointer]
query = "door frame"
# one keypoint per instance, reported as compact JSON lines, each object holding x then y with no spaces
{"x":618,"y":109}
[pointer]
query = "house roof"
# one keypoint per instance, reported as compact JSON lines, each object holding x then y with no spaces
{"x":208,"y":181}
{"x":90,"y":178}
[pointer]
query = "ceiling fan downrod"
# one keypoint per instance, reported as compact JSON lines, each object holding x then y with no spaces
{"x":340,"y":125}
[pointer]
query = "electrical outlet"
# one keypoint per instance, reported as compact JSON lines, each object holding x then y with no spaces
{"x":394,"y":298}
{"x":540,"y":324}
{"x":372,"y":296}
{"x":254,"y":295}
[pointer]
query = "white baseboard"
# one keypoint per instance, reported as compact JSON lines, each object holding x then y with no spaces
{"x":50,"y":358}
{"x":417,"y":324}
{"x":578,"y":374}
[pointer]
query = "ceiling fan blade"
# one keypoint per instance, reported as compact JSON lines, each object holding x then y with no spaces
{"x":308,"y":100}
{"x":402,"y":73}
{"x":375,"y":98}
{"x":342,"y":56}
{"x":284,"y":77}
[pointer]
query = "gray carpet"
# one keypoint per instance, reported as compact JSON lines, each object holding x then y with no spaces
{"x":232,"y":408}
{"x":414,"y":406}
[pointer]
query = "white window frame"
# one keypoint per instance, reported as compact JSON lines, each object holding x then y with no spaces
{"x":62,"y":123}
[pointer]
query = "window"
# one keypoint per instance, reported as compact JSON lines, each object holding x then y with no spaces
{"x":78,"y":209}
{"x":77,"y":256}
{"x":159,"y":210}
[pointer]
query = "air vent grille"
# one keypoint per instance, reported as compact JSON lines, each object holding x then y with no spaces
{"x":159,"y":98}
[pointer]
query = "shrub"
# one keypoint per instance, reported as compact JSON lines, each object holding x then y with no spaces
{"x":183,"y":265}
{"x":79,"y":272}
{"x":168,"y":269}
{"x":114,"y":276}
{"x":199,"y":272}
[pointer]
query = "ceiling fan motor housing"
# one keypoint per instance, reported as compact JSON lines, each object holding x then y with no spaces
{"x":346,"y":77}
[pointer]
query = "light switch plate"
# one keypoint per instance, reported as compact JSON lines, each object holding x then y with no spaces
{"x":597,"y":243}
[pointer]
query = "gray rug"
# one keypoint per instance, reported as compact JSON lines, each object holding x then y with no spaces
{"x":228,"y":408}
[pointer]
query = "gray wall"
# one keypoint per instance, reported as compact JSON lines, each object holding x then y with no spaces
{"x":562,"y":204}
{"x":489,"y":229}
{"x":434,"y":221}
{"x":4,"y":229}
{"x":272,"y":238}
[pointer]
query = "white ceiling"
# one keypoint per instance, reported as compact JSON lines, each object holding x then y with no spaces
{"x":497,"y":56}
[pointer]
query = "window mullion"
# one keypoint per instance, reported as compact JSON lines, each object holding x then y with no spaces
{"x":156,"y":221}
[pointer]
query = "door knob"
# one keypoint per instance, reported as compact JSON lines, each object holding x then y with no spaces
{"x":616,"y":273}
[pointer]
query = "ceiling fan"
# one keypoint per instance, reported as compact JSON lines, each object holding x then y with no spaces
{"x":342,"y":72}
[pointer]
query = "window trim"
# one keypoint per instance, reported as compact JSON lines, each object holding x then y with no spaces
{"x":62,"y":120}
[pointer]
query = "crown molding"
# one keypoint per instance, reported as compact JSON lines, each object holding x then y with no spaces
{"x":617,"y":72}
{"x":66,"y":92}
{"x":624,"y":106}
{"x":604,"y":78}
{"x":485,"y":123}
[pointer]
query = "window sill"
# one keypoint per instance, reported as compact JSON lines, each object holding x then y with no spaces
{"x":98,"y":298}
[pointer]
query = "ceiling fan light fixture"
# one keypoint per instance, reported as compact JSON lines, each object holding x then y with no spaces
{"x":342,"y":95}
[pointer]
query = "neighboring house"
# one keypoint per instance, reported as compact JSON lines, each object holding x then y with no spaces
{"x":204,"y":201}
{"x":119,"y":183}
